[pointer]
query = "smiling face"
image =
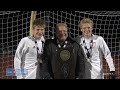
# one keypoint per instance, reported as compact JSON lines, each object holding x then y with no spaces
{"x":86,"y":29}
{"x":61,"y":32}
{"x":86,"y":26}
{"x":38,"y":31}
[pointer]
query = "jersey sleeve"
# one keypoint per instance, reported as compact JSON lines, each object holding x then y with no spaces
{"x":19,"y":55}
{"x":107,"y":54}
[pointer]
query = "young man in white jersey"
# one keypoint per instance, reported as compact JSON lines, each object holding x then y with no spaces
{"x":28,"y":55}
{"x":95,"y":48}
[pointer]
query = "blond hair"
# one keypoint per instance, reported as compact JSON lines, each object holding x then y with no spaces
{"x":86,"y":20}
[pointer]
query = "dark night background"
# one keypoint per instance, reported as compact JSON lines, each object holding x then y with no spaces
{"x":15,"y":25}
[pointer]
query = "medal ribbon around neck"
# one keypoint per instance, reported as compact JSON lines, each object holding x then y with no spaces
{"x":63,"y":45}
{"x":88,"y":50}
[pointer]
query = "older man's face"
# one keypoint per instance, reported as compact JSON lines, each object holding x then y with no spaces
{"x":62,"y":33}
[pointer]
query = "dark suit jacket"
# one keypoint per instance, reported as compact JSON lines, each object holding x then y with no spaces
{"x":50,"y":58}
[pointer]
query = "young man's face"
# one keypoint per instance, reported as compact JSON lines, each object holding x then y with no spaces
{"x":62,"y":33}
{"x":38,"y":31}
{"x":87,"y":29}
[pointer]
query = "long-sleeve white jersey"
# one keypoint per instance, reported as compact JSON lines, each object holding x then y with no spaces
{"x":94,"y":65}
{"x":26,"y":58}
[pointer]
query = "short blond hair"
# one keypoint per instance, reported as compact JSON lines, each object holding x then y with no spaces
{"x":86,"y":20}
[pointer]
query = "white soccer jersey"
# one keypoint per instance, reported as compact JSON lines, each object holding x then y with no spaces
{"x":94,"y":65}
{"x":26,"y":55}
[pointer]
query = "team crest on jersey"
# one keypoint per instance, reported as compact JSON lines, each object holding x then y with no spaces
{"x":94,"y":44}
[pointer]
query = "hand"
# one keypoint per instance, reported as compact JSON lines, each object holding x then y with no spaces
{"x":112,"y":75}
